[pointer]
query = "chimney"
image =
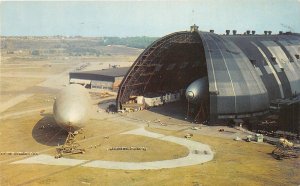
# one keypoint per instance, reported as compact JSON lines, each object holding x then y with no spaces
{"x":234,"y":32}
{"x":227,"y":32}
{"x":253,"y":32}
{"x":194,"y":28}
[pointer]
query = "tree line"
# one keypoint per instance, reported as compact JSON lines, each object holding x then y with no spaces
{"x":135,"y":42}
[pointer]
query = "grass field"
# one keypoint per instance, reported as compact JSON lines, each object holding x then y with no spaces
{"x":235,"y":163}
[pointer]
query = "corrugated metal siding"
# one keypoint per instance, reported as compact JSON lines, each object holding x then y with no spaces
{"x":238,"y":85}
{"x":284,"y":63}
{"x":280,"y":66}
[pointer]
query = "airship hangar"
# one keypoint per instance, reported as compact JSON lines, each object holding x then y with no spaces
{"x":196,"y":75}
{"x":219,"y":77}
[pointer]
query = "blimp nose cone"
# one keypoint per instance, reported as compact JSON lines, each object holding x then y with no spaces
{"x":197,"y":90}
{"x":190,"y":95}
{"x":71,"y":108}
{"x":70,"y":117}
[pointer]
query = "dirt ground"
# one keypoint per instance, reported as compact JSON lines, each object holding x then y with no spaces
{"x":24,"y":128}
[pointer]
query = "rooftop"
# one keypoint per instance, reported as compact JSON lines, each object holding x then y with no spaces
{"x":113,"y":72}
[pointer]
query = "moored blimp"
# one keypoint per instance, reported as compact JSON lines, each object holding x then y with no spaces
{"x":197,"y":90}
{"x":71,"y":108}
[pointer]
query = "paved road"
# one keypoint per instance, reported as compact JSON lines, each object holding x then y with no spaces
{"x":198,"y":153}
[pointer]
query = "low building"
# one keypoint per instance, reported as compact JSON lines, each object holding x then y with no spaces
{"x":151,"y":100}
{"x":108,"y":79}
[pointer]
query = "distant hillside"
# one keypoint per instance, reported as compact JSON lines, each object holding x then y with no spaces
{"x":135,"y":42}
{"x":75,"y":46}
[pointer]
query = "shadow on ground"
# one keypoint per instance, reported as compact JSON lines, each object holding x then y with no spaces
{"x":47,"y":132}
{"x":173,"y":110}
{"x":105,"y":103}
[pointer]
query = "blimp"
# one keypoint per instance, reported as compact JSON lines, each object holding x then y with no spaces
{"x":71,"y":109}
{"x":197,"y":90}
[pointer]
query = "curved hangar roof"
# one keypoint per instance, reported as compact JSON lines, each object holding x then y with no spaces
{"x":245,"y":72}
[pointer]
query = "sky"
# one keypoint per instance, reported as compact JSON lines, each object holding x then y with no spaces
{"x":145,"y":18}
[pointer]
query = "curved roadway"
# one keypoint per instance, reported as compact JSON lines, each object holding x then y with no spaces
{"x":198,"y":153}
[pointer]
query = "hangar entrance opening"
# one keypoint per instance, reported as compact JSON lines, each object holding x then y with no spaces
{"x":162,"y":74}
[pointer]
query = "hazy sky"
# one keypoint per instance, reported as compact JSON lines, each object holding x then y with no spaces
{"x":149,"y":18}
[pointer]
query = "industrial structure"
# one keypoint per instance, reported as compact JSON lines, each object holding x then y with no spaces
{"x":108,"y":79}
{"x":220,"y":77}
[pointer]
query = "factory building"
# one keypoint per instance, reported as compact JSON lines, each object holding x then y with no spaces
{"x":108,"y":79}
{"x":225,"y":77}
